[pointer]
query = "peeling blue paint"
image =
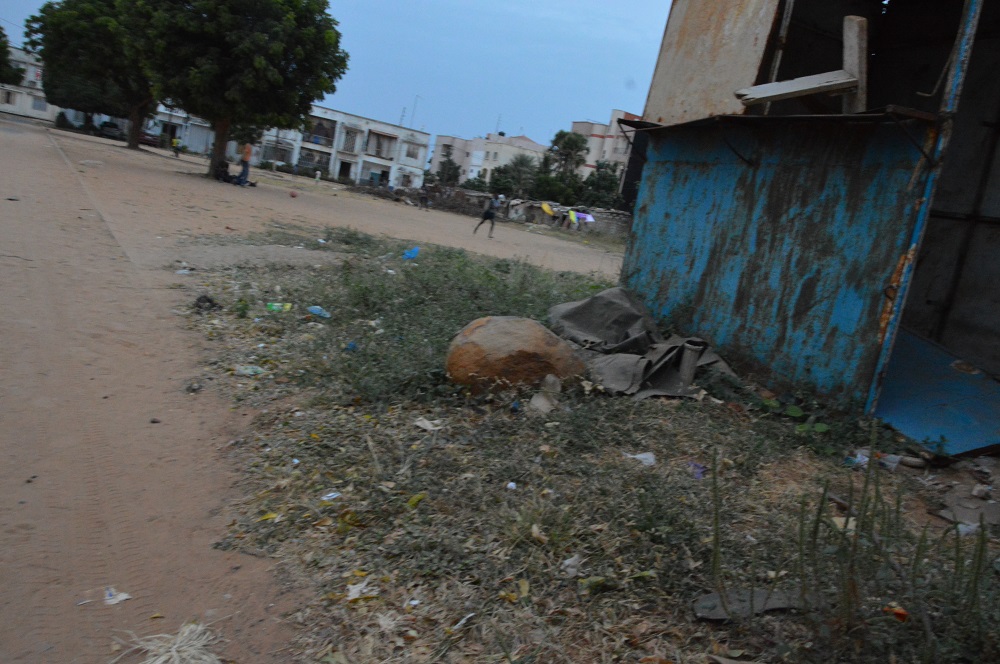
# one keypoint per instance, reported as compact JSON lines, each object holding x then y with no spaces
{"x":775,"y":240}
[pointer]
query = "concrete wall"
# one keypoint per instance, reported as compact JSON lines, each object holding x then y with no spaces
{"x":27,"y":99}
{"x":347,"y":144}
{"x":476,"y":154}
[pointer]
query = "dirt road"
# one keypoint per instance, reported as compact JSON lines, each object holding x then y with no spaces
{"x":112,"y":474}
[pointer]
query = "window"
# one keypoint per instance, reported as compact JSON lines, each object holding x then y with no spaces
{"x":380,"y":145}
{"x":38,"y":103}
{"x":466,"y":154}
{"x":7,"y":96}
{"x":412,"y":151}
{"x":494,"y":156}
{"x":350,"y":141}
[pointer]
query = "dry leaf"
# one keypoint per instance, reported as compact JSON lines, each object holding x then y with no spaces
{"x":524,"y":587}
{"x":847,"y":524}
{"x":270,"y":516}
{"x":538,"y":535}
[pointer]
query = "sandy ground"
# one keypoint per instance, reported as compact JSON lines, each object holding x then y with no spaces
{"x":112,"y":475}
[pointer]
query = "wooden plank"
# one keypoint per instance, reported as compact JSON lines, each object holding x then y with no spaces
{"x":834,"y":81}
{"x":856,"y":62}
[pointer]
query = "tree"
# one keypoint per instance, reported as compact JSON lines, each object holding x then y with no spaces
{"x":521,"y":170}
{"x":569,"y":150}
{"x":556,"y":178}
{"x":600,"y":189}
{"x":501,"y":181}
{"x":82,"y":45}
{"x":477,"y":183}
{"x":448,"y":170}
{"x":9,"y":74}
{"x":256,"y":63}
{"x":564,"y":189}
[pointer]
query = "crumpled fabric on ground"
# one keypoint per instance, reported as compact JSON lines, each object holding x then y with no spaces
{"x":626,"y":353}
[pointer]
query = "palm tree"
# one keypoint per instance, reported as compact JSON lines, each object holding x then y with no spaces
{"x":570,"y":150}
{"x":521,"y":170}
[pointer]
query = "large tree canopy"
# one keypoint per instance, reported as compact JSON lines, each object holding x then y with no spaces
{"x":82,"y":44}
{"x":239,"y":62}
{"x":9,"y":74}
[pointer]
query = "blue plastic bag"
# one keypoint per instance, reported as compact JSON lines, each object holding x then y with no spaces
{"x":411,"y":254}
{"x":318,"y":311}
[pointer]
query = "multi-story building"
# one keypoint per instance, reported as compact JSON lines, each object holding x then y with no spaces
{"x":351,"y":147}
{"x":481,"y":156}
{"x":27,"y":99}
{"x":605,"y":142}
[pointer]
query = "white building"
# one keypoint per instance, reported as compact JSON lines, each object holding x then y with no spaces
{"x":481,"y":156}
{"x":606,"y":142}
{"x":27,"y":99}
{"x":351,"y":147}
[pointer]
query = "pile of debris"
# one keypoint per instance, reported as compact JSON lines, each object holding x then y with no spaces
{"x":610,"y":337}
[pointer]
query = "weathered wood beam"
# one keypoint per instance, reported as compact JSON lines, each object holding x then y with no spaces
{"x":834,"y":81}
{"x":856,"y":62}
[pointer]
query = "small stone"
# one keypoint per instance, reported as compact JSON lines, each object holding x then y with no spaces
{"x":982,"y":491}
{"x":154,"y":420}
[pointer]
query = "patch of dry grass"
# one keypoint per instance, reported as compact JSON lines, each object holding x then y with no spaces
{"x":513,"y":537}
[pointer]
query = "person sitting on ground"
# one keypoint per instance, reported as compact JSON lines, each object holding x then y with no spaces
{"x":222,"y":172}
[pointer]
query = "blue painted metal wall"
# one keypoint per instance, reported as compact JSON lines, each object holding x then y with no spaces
{"x":776,"y":240}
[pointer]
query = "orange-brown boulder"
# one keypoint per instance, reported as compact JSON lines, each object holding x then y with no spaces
{"x":509,"y":350}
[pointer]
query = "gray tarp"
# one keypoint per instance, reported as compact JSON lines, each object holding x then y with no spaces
{"x":627,"y":355}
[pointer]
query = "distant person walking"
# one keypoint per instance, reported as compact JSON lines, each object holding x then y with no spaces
{"x":244,"y":177}
{"x":489,"y":214}
{"x":175,"y":145}
{"x":424,"y":198}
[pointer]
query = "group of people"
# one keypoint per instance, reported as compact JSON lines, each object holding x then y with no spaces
{"x":243,"y":179}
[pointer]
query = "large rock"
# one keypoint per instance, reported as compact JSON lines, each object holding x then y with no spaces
{"x":510,"y":350}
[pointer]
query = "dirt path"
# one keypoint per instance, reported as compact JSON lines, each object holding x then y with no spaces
{"x":94,"y":493}
{"x":151,"y":201}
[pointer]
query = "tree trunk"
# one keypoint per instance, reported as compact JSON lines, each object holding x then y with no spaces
{"x":221,"y":129}
{"x":136,"y":115}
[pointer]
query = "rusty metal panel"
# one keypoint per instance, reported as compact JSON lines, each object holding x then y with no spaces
{"x":782,"y":243}
{"x":709,"y":50}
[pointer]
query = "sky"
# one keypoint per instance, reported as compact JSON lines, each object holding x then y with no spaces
{"x":469,"y":67}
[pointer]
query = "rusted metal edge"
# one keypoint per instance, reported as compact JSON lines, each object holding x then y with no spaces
{"x":961,"y":54}
{"x":887,"y":114}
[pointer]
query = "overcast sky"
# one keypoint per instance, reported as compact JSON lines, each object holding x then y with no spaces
{"x":467,"y":66}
